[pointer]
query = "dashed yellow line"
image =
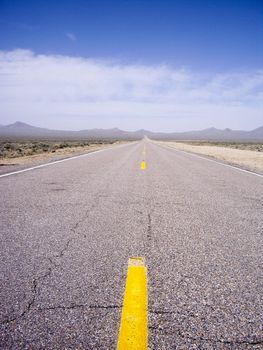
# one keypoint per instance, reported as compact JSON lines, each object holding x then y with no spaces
{"x":133,"y":333}
{"x":143,"y":165}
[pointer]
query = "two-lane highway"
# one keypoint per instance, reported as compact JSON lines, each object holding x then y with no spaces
{"x":68,"y":229}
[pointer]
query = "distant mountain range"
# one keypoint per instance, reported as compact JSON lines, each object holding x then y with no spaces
{"x":23,"y":130}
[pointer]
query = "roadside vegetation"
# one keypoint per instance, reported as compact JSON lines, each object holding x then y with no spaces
{"x":21,"y":148}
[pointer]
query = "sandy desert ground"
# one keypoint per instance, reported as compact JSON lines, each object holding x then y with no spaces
{"x":246,"y":156}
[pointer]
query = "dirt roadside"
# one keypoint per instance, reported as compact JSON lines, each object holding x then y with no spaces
{"x":243,"y":158}
{"x":17,"y":163}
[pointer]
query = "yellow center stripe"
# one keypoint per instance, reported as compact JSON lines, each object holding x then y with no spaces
{"x":143,"y":165}
{"x":133,"y":333}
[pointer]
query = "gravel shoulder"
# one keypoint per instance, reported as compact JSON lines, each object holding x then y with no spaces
{"x":243,"y":158}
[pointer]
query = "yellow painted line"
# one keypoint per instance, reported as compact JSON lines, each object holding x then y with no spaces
{"x":133,"y":334}
{"x":143,"y":165}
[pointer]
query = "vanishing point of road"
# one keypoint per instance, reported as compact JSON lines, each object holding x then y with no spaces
{"x":68,"y":229}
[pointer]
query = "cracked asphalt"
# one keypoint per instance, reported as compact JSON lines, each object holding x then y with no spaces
{"x":67,"y":232}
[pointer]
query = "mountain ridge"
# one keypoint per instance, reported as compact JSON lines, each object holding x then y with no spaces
{"x":24,"y":130}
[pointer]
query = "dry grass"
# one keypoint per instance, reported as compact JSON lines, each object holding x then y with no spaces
{"x":31,"y":152}
{"x":245,"y":155}
{"x":15,"y":149}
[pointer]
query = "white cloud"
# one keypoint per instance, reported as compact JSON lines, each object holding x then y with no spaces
{"x":71,"y":36}
{"x":73,"y":93}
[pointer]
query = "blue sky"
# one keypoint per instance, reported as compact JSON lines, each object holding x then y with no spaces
{"x":177,"y":65}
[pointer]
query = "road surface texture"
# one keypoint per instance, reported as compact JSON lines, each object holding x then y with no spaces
{"x":67,"y":231}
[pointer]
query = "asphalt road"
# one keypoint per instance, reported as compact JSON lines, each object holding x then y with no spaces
{"x":68,"y":229}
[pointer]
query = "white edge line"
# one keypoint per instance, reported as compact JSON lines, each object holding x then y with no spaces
{"x":59,"y":161}
{"x":212,"y":160}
